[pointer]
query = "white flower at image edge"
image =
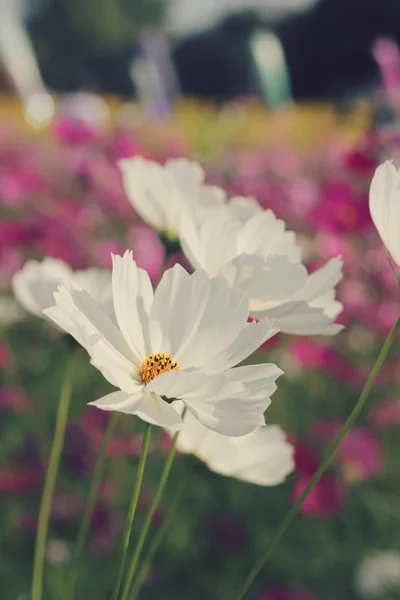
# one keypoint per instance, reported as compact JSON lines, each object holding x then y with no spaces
{"x":263,"y":457}
{"x":159,"y":193}
{"x":34,"y":285}
{"x":378,"y":574}
{"x":384,"y":205}
{"x":255,"y":253}
{"x":179,"y":343}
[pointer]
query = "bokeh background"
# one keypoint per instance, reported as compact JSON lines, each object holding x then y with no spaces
{"x":294,"y":102}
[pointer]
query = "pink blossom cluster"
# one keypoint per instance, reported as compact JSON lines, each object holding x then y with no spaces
{"x":61,"y":196}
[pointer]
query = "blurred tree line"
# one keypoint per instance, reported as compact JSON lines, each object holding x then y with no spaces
{"x":90,"y":43}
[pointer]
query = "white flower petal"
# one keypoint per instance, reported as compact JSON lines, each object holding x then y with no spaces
{"x":222,"y":404}
{"x":300,"y":318}
{"x":322,"y":281}
{"x":209,"y":242}
{"x":188,"y":174}
{"x":259,"y":380}
{"x":150,"y":190}
{"x":263,"y":233}
{"x":156,"y":411}
{"x":378,"y":574}
{"x":117,"y":401}
{"x":265,"y":282}
{"x":331,"y":307}
{"x":148,"y":407}
{"x":384,"y":204}
{"x":179,"y":302}
{"x":98,"y":284}
{"x":92,"y":313}
{"x":35,"y":284}
{"x":244,"y":207}
{"x":70,"y":318}
{"x":211,"y":398}
{"x":247,"y":342}
{"x":133,"y":295}
{"x":263,"y":457}
{"x":115,"y":367}
{"x":216,"y":326}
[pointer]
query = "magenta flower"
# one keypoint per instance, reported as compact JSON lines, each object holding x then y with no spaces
{"x":14,"y":400}
{"x":74,"y":131}
{"x":19,"y":481}
{"x":325,"y":500}
{"x":327,"y":497}
{"x":385,"y":415}
{"x":342,"y":208}
{"x":313,"y":355}
{"x":359,"y":456}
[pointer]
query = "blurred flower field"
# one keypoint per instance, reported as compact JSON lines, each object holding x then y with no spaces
{"x":61,"y":196}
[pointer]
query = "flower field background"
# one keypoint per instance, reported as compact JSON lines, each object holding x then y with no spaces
{"x":61,"y":196}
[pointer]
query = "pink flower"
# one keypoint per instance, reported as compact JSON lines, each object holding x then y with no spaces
{"x":309,"y":354}
{"x":148,"y":251}
{"x":15,"y":400}
{"x":385,"y":415}
{"x":315,"y":355}
{"x":359,"y":455}
{"x":21,"y":481}
{"x":123,"y":146}
{"x":325,"y":500}
{"x":302,"y":196}
{"x":341,"y":208}
{"x":74,"y":131}
{"x":305,"y":457}
{"x":361,"y":161}
{"x":18,"y":185}
{"x":327,"y":497}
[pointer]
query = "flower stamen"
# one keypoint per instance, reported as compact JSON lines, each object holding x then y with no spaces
{"x":156,"y":364}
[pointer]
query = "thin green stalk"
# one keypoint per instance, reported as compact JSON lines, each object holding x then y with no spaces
{"x":325,"y":463}
{"x":49,"y":484}
{"x":149,"y":516}
{"x":132,"y":509}
{"x":91,"y":499}
{"x":156,"y":543}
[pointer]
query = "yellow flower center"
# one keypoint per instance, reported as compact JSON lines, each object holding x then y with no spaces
{"x":155,"y":364}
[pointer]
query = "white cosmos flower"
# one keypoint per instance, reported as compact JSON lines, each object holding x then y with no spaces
{"x":378,"y":573}
{"x":34,"y":285}
{"x":256,"y":254}
{"x":179,"y":343}
{"x":244,"y":207}
{"x":159,"y":193}
{"x":263,"y":457}
{"x":384,"y":205}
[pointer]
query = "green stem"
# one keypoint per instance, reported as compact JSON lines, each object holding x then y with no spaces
{"x":132,"y":509}
{"x":149,"y":516}
{"x":91,"y":499}
{"x":49,"y":484}
{"x":325,"y":463}
{"x":156,"y":543}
